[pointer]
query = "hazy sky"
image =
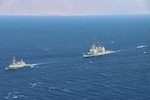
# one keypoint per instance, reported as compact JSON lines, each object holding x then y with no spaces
{"x":74,"y":7}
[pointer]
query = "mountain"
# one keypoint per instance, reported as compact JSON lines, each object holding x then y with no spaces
{"x":72,"y":7}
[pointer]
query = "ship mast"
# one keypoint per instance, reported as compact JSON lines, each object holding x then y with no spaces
{"x":14,"y":60}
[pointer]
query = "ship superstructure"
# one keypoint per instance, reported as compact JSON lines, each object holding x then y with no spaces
{"x":97,"y":50}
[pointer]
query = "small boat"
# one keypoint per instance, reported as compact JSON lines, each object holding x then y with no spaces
{"x":97,"y":50}
{"x":17,"y":65}
{"x":141,"y":46}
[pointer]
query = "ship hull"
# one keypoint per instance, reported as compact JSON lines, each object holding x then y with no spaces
{"x":17,"y":66}
{"x":97,"y":54}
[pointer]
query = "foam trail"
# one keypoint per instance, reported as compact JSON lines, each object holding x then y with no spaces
{"x":117,"y":51}
{"x":42,"y":63}
{"x":32,"y":65}
{"x":122,"y":50}
{"x":137,"y":47}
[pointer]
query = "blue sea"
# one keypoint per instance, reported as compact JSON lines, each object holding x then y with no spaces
{"x":55,"y":44}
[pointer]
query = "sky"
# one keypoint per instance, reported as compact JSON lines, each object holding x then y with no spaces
{"x":74,"y":7}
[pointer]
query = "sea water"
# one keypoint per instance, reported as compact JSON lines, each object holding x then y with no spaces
{"x":55,"y":46}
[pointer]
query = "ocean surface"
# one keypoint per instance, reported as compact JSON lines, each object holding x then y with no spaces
{"x":55,"y":46}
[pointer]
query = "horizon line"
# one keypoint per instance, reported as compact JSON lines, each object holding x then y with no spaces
{"x":74,"y":15}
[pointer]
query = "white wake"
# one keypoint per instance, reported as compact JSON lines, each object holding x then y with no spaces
{"x":36,"y":64}
{"x":137,"y":47}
